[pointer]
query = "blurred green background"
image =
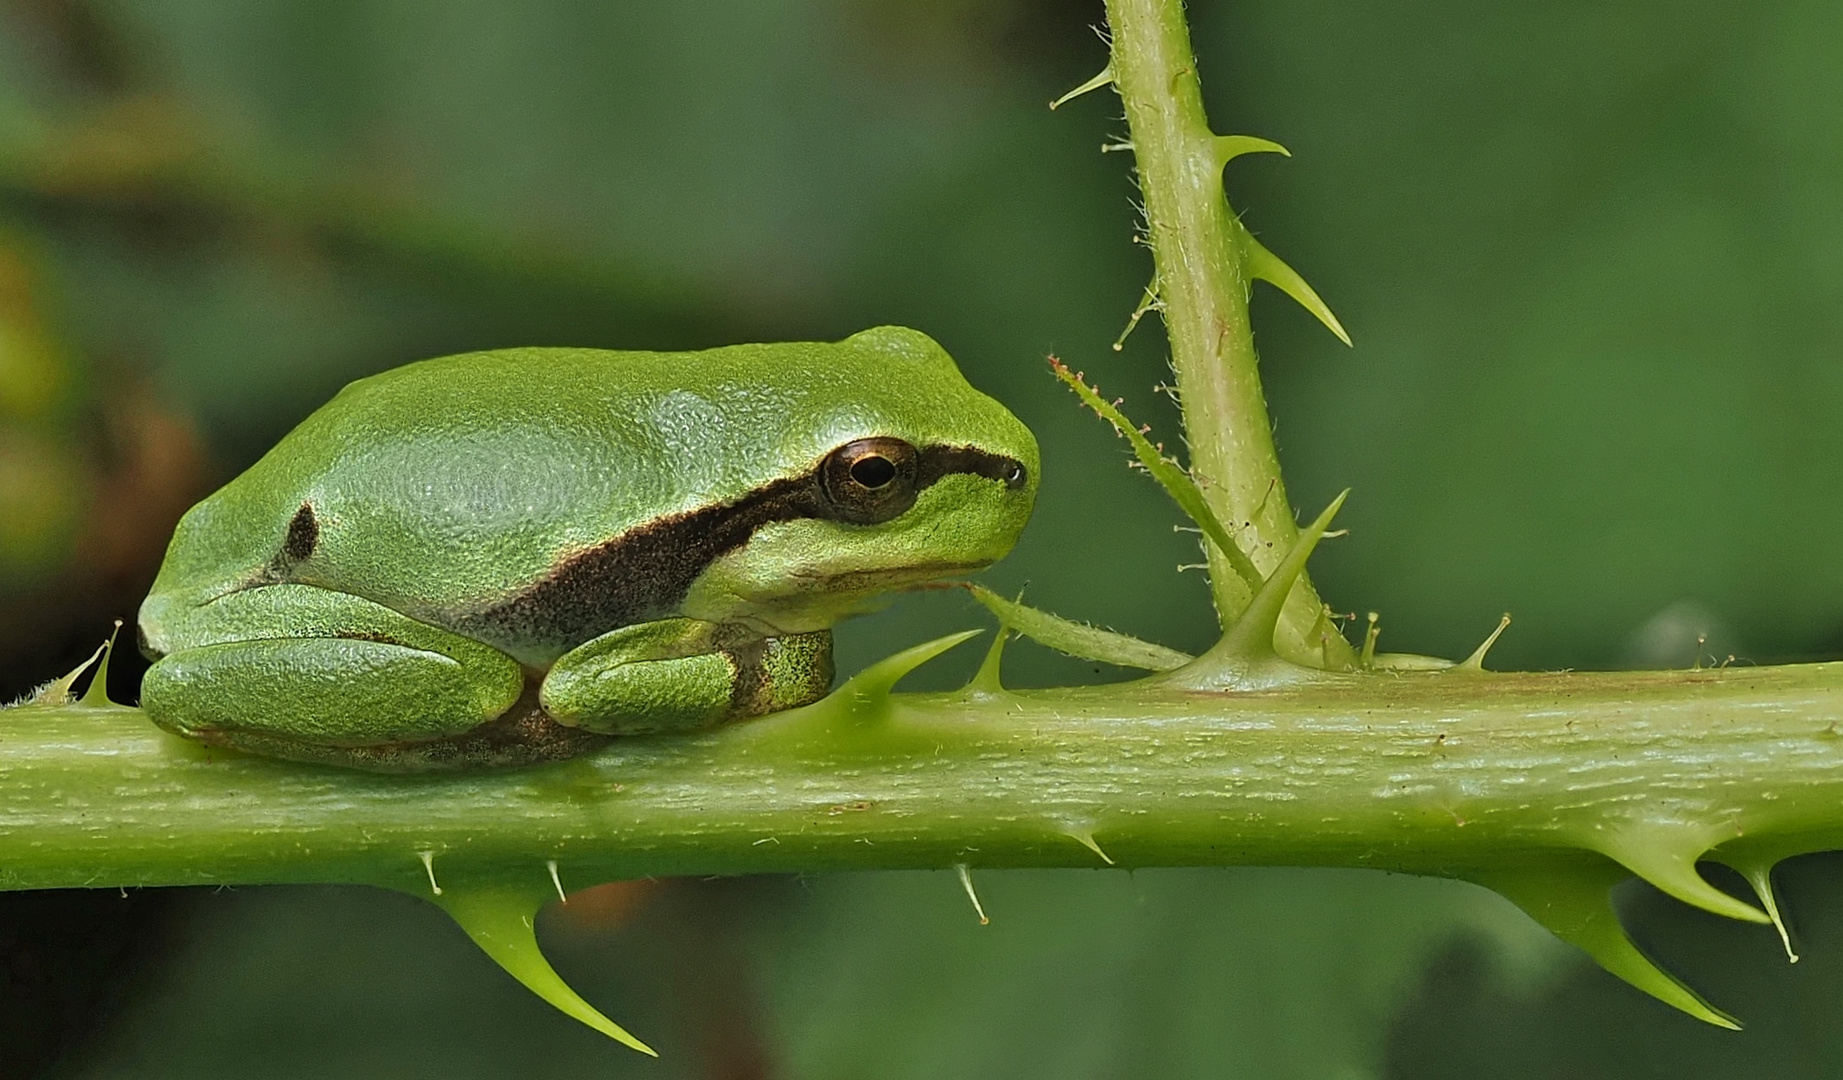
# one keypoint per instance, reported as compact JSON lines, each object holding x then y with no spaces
{"x":1592,"y":257}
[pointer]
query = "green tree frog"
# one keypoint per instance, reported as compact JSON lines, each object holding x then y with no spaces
{"x":515,"y":556}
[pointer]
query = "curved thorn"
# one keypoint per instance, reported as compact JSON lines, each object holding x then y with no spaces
{"x":428,"y":865}
{"x":875,"y":682}
{"x":1476,"y":661}
{"x":1230,"y":147}
{"x":98,"y":693}
{"x":1649,"y":852}
{"x":988,"y":680}
{"x":57,"y":691}
{"x":502,"y":922}
{"x":1103,"y":79}
{"x":1760,"y":876}
{"x":1086,"y":839}
{"x":966,"y":882}
{"x":1574,"y":901}
{"x":1266,"y":266}
{"x":556,"y":879}
{"x":1252,"y":634}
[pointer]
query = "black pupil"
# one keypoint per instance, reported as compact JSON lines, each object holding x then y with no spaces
{"x":873,"y":471}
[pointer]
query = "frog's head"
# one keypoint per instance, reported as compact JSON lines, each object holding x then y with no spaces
{"x":905,"y":475}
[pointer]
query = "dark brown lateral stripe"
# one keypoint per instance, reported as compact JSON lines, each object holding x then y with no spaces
{"x":644,"y":573}
{"x":938,"y":461}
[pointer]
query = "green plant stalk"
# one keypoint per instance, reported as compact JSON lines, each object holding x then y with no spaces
{"x":1201,"y":258}
{"x":1427,"y":773}
{"x":1549,"y":787}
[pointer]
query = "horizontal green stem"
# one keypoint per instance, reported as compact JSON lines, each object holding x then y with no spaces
{"x":1448,"y":774}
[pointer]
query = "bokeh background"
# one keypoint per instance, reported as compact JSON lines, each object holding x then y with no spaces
{"x":1591,"y":254}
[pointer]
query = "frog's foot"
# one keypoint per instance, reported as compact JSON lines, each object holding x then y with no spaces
{"x":306,"y":673}
{"x":682,"y":675}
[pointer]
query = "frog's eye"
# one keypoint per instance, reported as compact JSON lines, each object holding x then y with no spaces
{"x":868,"y":480}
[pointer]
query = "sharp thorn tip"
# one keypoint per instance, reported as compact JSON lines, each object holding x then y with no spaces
{"x":966,"y":882}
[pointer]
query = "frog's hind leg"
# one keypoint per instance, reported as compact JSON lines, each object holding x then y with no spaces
{"x":301,"y":672}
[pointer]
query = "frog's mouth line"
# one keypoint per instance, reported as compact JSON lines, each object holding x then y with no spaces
{"x":906,"y":578}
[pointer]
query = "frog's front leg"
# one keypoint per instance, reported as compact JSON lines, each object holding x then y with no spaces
{"x":683,"y":674}
{"x":303,"y":672}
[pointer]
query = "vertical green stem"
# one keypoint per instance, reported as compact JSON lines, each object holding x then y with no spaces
{"x":1201,"y":265}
